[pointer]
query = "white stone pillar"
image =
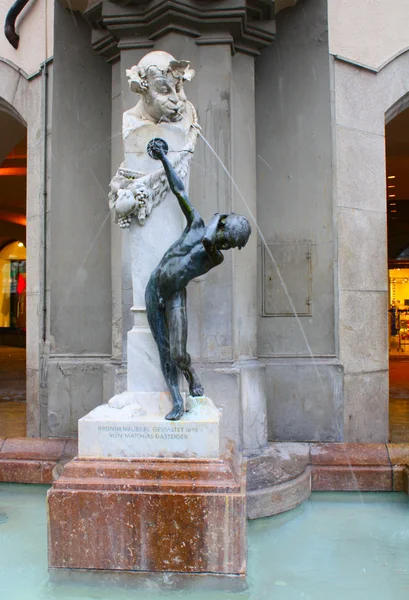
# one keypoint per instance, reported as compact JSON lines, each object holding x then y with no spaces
{"x":148,"y":243}
{"x":149,"y":240}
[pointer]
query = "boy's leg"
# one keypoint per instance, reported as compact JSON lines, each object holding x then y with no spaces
{"x":170,"y":374}
{"x":157,"y":322}
{"x":177,"y":327}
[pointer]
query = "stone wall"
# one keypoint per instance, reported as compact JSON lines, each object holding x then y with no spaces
{"x":369,"y":32}
{"x":368,"y":43}
{"x":35,"y":26}
{"x":321,"y":210}
{"x":295,"y":213}
{"x":79,"y":247}
{"x":363,"y":99}
{"x":22,"y":98}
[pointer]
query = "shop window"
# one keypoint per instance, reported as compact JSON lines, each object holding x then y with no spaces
{"x":13,"y":286}
{"x":399,"y":309}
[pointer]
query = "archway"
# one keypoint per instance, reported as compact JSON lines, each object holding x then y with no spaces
{"x":397,"y":186}
{"x":13,"y":184}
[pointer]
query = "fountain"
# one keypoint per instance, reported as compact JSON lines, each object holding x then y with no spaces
{"x":152,"y":488}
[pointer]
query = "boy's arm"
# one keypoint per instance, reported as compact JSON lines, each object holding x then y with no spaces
{"x":157,"y":149}
{"x":177,"y":187}
{"x":209,"y":239}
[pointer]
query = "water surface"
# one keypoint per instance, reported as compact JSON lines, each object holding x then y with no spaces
{"x":337,"y":546}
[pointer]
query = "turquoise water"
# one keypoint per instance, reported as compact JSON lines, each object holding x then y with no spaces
{"x":337,"y":546}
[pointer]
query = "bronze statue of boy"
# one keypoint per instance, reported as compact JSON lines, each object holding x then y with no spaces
{"x":196,"y":252}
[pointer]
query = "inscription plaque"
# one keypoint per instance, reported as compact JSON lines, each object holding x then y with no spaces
{"x":108,"y":432}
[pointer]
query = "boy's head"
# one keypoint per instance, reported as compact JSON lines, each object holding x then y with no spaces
{"x":233,"y":231}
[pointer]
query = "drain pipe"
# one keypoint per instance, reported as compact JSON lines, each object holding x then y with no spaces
{"x":10,"y":22}
{"x":45,"y":198}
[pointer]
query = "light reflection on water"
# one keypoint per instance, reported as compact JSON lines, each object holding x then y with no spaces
{"x":337,"y":546}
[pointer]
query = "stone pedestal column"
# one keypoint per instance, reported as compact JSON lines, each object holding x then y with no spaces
{"x":149,"y":515}
{"x":147,"y":244}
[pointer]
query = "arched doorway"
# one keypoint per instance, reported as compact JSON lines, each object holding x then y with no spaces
{"x":13,"y":184}
{"x":397,"y":186}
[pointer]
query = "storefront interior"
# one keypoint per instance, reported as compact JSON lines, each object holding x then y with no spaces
{"x":13,"y":169}
{"x":397,"y":186}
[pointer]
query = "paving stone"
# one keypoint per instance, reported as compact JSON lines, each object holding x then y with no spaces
{"x":70,"y":448}
{"x":26,"y":471}
{"x":32,"y":449}
{"x":278,"y":480}
{"x":277,"y":499}
{"x":349,"y":454}
{"x":279,"y":463}
{"x":398,"y":454}
{"x":344,"y":478}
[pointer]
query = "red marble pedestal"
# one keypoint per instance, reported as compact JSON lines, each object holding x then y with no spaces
{"x":173,"y":515}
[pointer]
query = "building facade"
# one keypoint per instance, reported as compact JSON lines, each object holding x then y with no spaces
{"x":291,"y":336}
